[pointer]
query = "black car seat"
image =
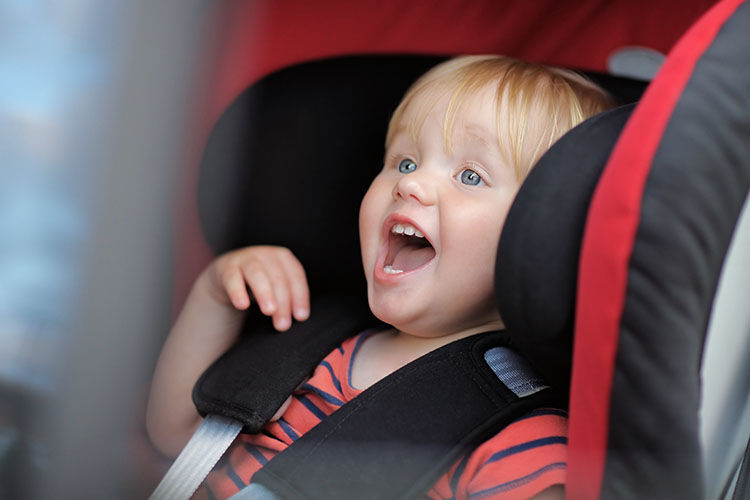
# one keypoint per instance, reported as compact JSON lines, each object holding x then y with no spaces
{"x":628,"y":461}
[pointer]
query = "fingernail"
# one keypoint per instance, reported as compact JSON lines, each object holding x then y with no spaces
{"x":301,"y":314}
{"x":283,"y":323}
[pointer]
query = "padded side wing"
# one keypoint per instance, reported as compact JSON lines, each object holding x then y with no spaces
{"x":658,"y":230}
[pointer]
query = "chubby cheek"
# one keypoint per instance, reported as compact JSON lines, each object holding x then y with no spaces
{"x":368,"y":231}
{"x":472,"y":266}
{"x":473,"y":252}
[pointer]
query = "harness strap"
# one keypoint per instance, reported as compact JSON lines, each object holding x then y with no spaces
{"x":396,"y":438}
{"x":195,"y":461}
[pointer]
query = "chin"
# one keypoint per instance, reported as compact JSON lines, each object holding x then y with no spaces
{"x":392,"y":312}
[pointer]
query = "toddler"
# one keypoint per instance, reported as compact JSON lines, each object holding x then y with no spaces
{"x":457,"y":149}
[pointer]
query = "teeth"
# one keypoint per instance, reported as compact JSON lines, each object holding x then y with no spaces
{"x":407,"y":229}
{"x":389,"y":270}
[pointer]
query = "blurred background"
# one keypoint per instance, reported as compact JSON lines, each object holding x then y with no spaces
{"x":94,"y":97}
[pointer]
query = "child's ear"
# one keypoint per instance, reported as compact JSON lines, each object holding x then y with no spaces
{"x":537,"y":259}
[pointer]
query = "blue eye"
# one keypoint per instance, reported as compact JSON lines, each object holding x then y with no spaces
{"x":470,"y":178}
{"x":406,"y":166}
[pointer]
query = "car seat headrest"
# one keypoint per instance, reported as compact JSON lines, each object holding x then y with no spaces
{"x":537,"y":260}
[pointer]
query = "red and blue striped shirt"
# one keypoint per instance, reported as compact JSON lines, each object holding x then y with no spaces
{"x":520,"y":461}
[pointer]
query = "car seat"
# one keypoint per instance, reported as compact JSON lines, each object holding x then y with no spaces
{"x":616,"y":451}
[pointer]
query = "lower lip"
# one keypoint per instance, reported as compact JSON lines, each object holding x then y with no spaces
{"x":391,"y":278}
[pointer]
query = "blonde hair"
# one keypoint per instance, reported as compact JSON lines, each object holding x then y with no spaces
{"x":557,"y":99}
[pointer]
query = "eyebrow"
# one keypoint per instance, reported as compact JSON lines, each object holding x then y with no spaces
{"x":474,"y":133}
{"x":471,"y":132}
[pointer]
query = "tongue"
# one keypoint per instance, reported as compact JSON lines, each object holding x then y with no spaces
{"x":410,"y":257}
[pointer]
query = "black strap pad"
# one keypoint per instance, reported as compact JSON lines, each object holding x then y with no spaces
{"x":396,"y":438}
{"x":253,"y":379}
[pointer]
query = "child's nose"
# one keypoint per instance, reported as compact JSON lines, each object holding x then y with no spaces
{"x":415,"y":186}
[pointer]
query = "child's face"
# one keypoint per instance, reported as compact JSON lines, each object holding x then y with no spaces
{"x":441,"y":283}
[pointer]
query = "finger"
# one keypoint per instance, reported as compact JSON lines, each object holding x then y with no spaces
{"x":260,"y":286}
{"x":299,"y":289}
{"x":280,"y":412}
{"x":234,"y":285}
{"x":282,"y":318}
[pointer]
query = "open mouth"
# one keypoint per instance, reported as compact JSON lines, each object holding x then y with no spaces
{"x":408,"y":249}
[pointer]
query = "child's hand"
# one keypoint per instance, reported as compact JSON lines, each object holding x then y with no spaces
{"x":210,"y":322}
{"x":275,"y":277}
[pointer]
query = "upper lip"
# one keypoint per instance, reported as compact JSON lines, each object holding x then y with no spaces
{"x":396,"y":218}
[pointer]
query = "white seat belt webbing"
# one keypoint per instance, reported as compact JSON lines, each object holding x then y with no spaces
{"x":196,"y":460}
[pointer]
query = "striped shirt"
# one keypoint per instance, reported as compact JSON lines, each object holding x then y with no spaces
{"x":520,"y":461}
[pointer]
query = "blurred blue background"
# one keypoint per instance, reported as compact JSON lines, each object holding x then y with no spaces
{"x":54,"y":71}
{"x":94,"y":97}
